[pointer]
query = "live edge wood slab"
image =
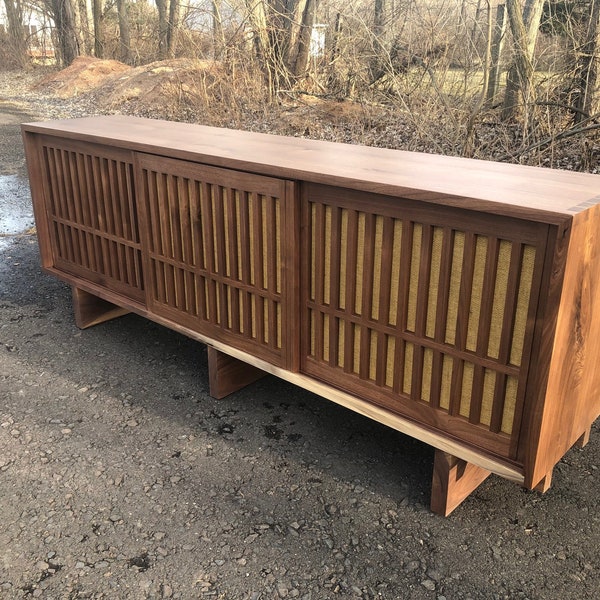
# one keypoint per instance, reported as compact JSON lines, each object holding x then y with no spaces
{"x":451,"y":299}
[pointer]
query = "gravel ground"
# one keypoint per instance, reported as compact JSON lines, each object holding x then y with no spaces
{"x":121,"y":478}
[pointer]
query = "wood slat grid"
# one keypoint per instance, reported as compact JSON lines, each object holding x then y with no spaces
{"x":214,"y":254}
{"x":417,"y":312}
{"x":92,"y":218}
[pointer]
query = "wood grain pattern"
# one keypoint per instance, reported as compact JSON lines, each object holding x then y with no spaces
{"x":227,"y":375}
{"x":546,"y":195}
{"x":572,"y":398}
{"x":453,"y":481}
{"x":91,"y":310}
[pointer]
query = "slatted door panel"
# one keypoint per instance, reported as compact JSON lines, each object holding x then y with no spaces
{"x":429,"y":313}
{"x":91,"y":214}
{"x":215,"y":252}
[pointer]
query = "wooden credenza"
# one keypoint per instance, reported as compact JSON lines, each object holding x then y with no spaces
{"x":451,"y":299}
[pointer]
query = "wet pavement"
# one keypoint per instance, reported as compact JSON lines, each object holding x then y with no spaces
{"x":16,"y":212}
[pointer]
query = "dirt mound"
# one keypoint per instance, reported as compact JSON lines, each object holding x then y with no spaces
{"x":84,"y":74}
{"x":160,"y":88}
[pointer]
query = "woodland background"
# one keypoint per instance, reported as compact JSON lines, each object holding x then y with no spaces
{"x":513,"y":81}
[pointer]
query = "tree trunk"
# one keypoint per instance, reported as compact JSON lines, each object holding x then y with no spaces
{"x":68,"y":47}
{"x":16,"y":32}
{"x":163,"y":29}
{"x":85,"y":28}
{"x":586,"y":74}
{"x":524,"y":24}
{"x":98,"y":28}
{"x":172,"y":28}
{"x":378,"y":18}
{"x":124,"y":34}
{"x":303,"y":44}
{"x":217,"y":29}
{"x":496,"y":52}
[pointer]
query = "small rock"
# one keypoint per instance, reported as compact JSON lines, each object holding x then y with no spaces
{"x":250,"y":538}
{"x":428,"y":584}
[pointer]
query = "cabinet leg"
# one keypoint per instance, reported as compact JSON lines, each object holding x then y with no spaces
{"x":453,"y":481}
{"x":227,"y":374}
{"x":584,"y":439}
{"x":91,"y":310}
{"x":544,"y":485}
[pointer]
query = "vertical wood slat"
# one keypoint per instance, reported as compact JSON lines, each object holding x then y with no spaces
{"x":462,"y":321}
{"x":206,"y":210}
{"x":385,"y":288}
{"x":421,"y":309}
{"x":319,"y":265}
{"x":443,"y":296}
{"x":246,"y":268}
{"x":79,"y":167}
{"x":401,"y":315}
{"x":187,"y":252}
{"x":367,"y":301}
{"x":259,"y":277}
{"x":199,"y":261}
{"x":351,"y":263}
{"x":334,"y":285}
{"x":483,"y":332}
{"x":221,"y":251}
{"x":84,"y":255}
{"x":233,"y":246}
{"x":506,"y":338}
{"x":272,"y":276}
{"x":156,"y":235}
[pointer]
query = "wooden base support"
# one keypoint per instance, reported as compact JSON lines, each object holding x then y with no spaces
{"x":453,"y":480}
{"x":227,"y":374}
{"x":544,"y":485}
{"x":585,"y":438}
{"x":91,"y":310}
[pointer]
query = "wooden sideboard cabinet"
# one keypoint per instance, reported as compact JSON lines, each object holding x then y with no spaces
{"x":451,"y":299}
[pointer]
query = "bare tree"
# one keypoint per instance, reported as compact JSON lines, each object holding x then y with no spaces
{"x":301,"y":48}
{"x":124,"y":32}
{"x":84,"y":23}
{"x":16,"y":32}
{"x":98,"y":11}
{"x":586,"y":72}
{"x":168,"y":17}
{"x":524,"y":24}
{"x":64,"y":20}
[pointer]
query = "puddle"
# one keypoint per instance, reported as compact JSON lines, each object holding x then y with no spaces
{"x":16,"y":212}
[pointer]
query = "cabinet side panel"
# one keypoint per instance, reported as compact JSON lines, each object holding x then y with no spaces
{"x":573,"y":395}
{"x":32,"y":154}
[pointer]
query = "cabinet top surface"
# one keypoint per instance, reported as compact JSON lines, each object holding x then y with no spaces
{"x":539,"y":194}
